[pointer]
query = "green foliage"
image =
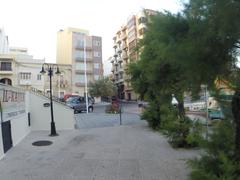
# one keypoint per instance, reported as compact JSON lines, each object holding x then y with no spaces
{"x":181,"y":131}
{"x":217,"y":162}
{"x":180,"y":53}
{"x":152,"y":116}
{"x":102,"y":88}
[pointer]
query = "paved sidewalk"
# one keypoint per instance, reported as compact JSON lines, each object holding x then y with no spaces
{"x":112,"y":153}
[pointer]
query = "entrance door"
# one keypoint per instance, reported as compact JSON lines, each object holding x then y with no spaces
{"x":129,"y":97}
{"x":6,"y":136}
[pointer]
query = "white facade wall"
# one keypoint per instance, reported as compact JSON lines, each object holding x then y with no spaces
{"x":4,"y":46}
{"x":34,"y":69}
{"x":41,"y":117}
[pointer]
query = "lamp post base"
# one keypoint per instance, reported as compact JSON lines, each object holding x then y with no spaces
{"x":53,"y":130}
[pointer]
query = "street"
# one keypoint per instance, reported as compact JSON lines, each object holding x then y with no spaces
{"x":98,"y":118}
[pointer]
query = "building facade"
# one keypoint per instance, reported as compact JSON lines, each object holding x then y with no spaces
{"x":18,"y":68}
{"x":73,"y":46}
{"x":4,"y":45}
{"x":124,"y":45}
{"x":61,"y":84}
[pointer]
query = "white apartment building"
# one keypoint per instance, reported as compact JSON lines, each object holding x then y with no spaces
{"x":124,"y":44}
{"x":4,"y":45}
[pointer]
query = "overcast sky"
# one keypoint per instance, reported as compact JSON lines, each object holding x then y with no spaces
{"x":34,"y":23}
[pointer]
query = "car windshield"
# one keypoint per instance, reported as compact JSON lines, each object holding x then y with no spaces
{"x":72,"y":100}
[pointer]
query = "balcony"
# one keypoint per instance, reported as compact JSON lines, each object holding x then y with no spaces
{"x":120,"y":60}
{"x":79,"y":47}
{"x":5,"y":72}
{"x":25,"y":82}
{"x":123,"y":35}
{"x":119,"y":50}
{"x":80,"y":84}
{"x":124,"y":46}
{"x":121,"y":69}
{"x":81,"y":59}
{"x":115,"y":55}
{"x":83,"y":71}
{"x":124,"y":55}
{"x":115,"y":45}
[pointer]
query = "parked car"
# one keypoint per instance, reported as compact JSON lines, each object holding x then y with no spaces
{"x":78,"y":103}
{"x":66,"y":96}
{"x":215,"y":114}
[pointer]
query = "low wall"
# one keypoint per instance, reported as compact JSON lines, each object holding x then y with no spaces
{"x":14,"y":112}
{"x":41,"y":117}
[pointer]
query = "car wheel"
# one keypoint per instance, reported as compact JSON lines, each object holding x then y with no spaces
{"x":90,"y":109}
{"x":75,"y":111}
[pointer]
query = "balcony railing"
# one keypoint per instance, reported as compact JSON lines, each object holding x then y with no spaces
{"x":83,"y":71}
{"x":25,"y":82}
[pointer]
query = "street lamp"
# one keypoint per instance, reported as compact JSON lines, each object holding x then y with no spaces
{"x":50,"y":68}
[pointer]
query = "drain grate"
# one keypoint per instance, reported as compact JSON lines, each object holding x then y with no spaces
{"x":42,"y":143}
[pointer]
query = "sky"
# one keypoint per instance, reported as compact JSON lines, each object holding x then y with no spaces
{"x":34,"y":24}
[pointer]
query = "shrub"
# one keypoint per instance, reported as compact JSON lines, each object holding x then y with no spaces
{"x":152,"y":116}
{"x":217,"y":161}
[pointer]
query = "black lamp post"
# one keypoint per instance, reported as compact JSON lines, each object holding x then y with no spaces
{"x":50,"y":68}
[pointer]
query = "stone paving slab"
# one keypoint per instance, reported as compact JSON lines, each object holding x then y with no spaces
{"x":111,"y":153}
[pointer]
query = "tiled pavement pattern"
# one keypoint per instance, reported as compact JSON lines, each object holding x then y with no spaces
{"x":111,"y":153}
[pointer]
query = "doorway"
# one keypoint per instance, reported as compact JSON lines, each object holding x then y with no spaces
{"x":6,"y":136}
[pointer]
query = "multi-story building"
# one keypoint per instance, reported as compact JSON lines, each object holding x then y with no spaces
{"x":125,"y":42}
{"x":4,"y":46}
{"x":18,"y":68}
{"x":74,"y":46}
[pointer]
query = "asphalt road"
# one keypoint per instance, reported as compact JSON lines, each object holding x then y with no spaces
{"x":98,"y":118}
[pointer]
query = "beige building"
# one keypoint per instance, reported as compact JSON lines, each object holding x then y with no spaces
{"x":18,"y":68}
{"x":125,"y":42}
{"x":61,"y":84}
{"x":70,"y":50}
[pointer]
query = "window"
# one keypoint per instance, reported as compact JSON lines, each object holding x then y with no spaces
{"x":96,"y":54}
{"x":6,"y":66}
{"x":80,"y":66}
{"x":96,"y":43}
{"x":80,"y":43}
{"x":79,"y":55}
{"x":142,"y":20}
{"x":39,"y":77}
{"x":96,"y":66}
{"x":79,"y":78}
{"x":25,"y":76}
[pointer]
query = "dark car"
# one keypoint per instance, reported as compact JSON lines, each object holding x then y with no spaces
{"x":78,"y":103}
